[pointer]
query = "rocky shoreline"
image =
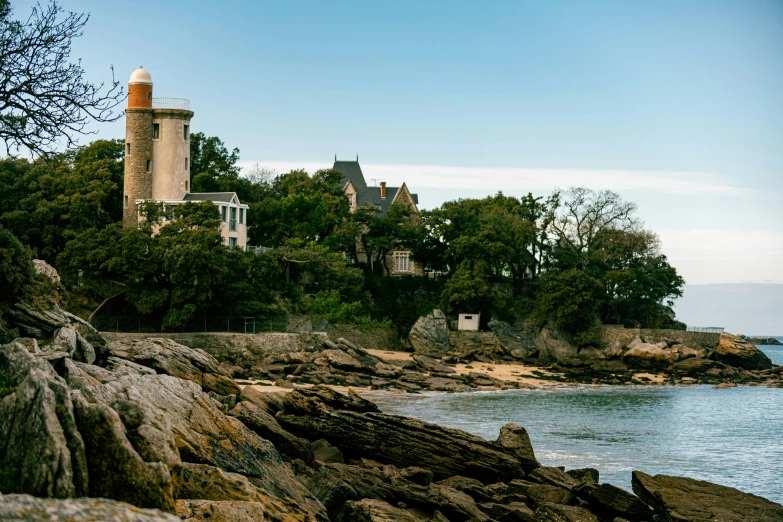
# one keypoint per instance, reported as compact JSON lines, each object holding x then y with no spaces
{"x":506,"y":360}
{"x":150,"y":430}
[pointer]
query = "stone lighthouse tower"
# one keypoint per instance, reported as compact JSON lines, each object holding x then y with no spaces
{"x":157,"y":147}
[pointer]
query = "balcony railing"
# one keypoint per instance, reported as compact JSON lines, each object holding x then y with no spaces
{"x":171,"y":103}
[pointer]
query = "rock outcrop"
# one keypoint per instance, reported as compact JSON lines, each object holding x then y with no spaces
{"x":397,"y":440}
{"x":204,"y":435}
{"x":739,"y":352}
{"x":166,"y":356}
{"x":690,"y":500}
{"x":430,"y":335}
{"x":28,"y":507}
{"x":41,"y":450}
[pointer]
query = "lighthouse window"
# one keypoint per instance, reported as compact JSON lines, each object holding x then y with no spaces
{"x":186,"y":163}
{"x":185,"y":131}
{"x":149,"y":165}
{"x":149,"y":95}
{"x":126,"y":201}
{"x":155,"y":131}
{"x":127,"y":149}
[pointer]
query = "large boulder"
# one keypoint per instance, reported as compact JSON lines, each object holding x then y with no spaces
{"x":204,"y":435}
{"x":43,"y":268}
{"x":337,"y":484}
{"x":117,"y":470}
{"x":690,"y":500}
{"x":516,"y":441}
{"x":68,"y":339}
{"x":27,"y":507}
{"x":649,"y":356}
{"x":35,"y":322}
{"x":41,"y":451}
{"x":738,"y":351}
{"x":693,"y":366}
{"x":553,"y":346}
{"x":171,"y":358}
{"x":430,"y":335}
{"x":397,"y":440}
{"x":611,"y":501}
{"x":254,"y":417}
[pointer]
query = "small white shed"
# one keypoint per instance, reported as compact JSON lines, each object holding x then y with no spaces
{"x":469,"y":322}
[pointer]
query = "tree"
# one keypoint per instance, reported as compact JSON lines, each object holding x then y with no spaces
{"x":299,"y":206}
{"x":49,"y":201}
{"x":16,"y":267}
{"x":568,"y":300}
{"x":45,"y":99}
{"x":580,"y":215}
{"x":209,"y":155}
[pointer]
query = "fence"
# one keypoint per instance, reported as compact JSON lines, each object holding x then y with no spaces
{"x":706,"y":329}
{"x":258,"y":249}
{"x":233,"y":324}
{"x":171,"y":103}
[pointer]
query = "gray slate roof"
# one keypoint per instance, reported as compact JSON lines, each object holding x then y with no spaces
{"x":223,"y":197}
{"x":366,"y":195}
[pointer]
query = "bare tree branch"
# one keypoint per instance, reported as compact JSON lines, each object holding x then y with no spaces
{"x":45,"y":101}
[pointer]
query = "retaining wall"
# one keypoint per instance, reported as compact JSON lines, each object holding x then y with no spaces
{"x":611,"y":334}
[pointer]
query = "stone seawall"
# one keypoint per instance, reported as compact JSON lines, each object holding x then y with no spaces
{"x":611,"y":334}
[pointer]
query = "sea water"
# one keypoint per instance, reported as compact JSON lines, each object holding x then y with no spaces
{"x":730,"y":436}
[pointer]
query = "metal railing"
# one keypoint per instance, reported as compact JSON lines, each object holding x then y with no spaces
{"x":706,"y":329}
{"x":171,"y":103}
{"x":258,"y":249}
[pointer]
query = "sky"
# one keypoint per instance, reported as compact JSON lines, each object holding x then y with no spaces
{"x":678,"y":106}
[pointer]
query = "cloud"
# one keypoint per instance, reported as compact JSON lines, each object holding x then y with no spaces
{"x":493,"y":179}
{"x":709,"y":255}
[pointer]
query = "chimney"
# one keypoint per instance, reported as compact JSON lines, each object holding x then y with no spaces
{"x":383,"y":189}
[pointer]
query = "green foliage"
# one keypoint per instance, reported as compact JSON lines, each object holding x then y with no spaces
{"x":47,"y":202}
{"x":329,"y":305}
{"x":299,"y":206}
{"x":16,"y":267}
{"x":209,"y":155}
{"x":567,"y":300}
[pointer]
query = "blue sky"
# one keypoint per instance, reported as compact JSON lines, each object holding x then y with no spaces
{"x":676,"y":105}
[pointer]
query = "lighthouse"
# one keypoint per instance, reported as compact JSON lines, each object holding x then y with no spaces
{"x":157,"y":161}
{"x":157,"y":147}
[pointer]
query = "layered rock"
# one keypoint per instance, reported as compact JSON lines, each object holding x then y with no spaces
{"x":166,"y":356}
{"x":398,"y":440}
{"x":738,"y":351}
{"x":41,"y":450}
{"x":203,"y":434}
{"x":27,"y":507}
{"x":690,"y":500}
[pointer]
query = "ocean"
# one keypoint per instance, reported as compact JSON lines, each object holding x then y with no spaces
{"x":730,"y":436}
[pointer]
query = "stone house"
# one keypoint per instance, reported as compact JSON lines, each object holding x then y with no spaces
{"x":157,"y":160}
{"x":381,"y":197}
